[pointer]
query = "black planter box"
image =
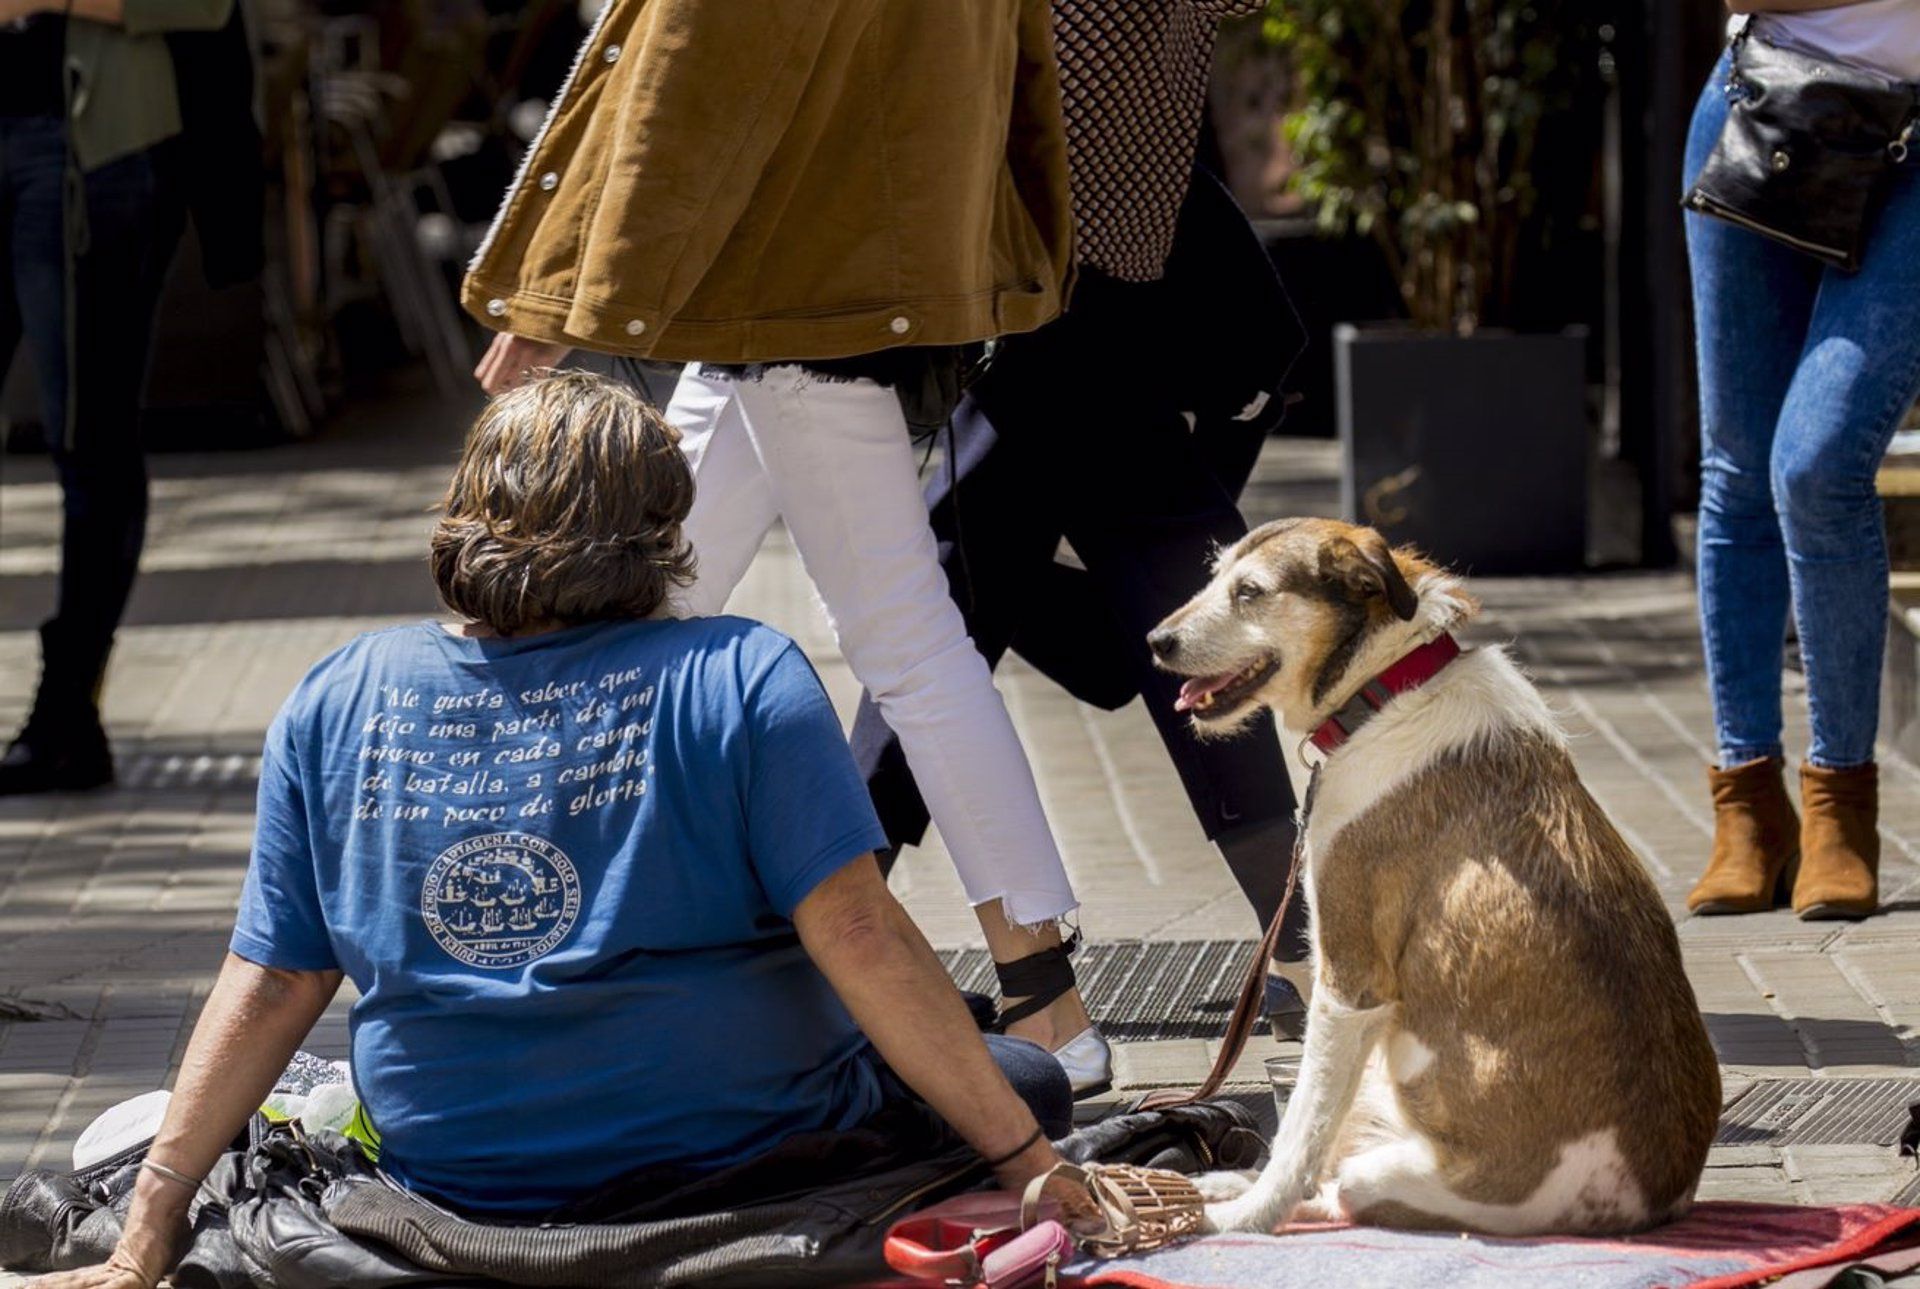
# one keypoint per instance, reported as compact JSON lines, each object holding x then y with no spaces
{"x":1473,"y":449}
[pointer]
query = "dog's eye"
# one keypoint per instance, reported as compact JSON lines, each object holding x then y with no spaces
{"x":1248,"y":592}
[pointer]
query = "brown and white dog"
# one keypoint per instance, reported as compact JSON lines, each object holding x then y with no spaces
{"x":1500,"y":1036}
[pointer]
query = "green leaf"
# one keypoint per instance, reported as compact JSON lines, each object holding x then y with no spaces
{"x":1375,"y":151}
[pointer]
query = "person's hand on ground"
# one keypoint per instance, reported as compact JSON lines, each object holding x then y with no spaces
{"x":122,"y":1270}
{"x":1077,"y":1210}
{"x":510,"y":360}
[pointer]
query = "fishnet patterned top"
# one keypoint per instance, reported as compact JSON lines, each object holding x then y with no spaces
{"x":1134,"y":78}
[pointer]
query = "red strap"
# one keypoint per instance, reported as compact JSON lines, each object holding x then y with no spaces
{"x":933,"y":1250}
{"x":1411,"y":672}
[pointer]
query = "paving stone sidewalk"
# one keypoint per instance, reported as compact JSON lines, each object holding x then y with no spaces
{"x":114,"y":907}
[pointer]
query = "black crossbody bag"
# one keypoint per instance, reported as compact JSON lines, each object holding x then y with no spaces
{"x":1809,"y":150}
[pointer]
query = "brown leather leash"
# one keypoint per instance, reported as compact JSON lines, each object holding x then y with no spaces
{"x":1246,"y":1012}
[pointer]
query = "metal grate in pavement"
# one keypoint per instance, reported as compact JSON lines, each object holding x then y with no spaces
{"x":1142,"y":991}
{"x":1819,"y":1112}
{"x":213,"y":771}
{"x":1909,"y":1196}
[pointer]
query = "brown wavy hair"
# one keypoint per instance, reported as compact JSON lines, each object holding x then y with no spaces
{"x":566,"y":508}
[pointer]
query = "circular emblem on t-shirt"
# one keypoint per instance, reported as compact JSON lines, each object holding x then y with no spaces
{"x":501,"y":900}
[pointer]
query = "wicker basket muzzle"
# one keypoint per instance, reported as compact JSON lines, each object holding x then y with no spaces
{"x":1143,"y":1208}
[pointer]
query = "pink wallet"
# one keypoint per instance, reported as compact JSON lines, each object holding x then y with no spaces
{"x":1033,"y":1257}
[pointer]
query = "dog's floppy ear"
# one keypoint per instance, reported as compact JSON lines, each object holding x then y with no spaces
{"x":1365,"y":566}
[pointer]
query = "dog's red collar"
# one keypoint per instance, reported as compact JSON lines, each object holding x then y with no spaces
{"x":1411,"y":672}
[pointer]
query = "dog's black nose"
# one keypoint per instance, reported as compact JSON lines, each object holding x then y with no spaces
{"x":1165,"y":644}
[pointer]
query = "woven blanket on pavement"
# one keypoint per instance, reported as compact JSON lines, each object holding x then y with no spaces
{"x":1718,"y":1246}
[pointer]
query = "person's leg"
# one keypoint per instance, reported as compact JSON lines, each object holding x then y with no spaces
{"x":1859,"y":376}
{"x":1148,"y":543}
{"x":1039,"y":1080}
{"x":1149,"y":546}
{"x":10,"y":323}
{"x":842,"y":471}
{"x":132,"y":229}
{"x":1067,"y":633}
{"x":1008,"y":540}
{"x":732,"y":504}
{"x":91,"y":337}
{"x":1145,"y":514}
{"x":1752,"y":302}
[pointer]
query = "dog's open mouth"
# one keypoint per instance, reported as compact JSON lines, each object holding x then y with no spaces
{"x":1213,"y":697}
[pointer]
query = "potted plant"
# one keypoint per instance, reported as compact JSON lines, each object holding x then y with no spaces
{"x":1462,"y":137}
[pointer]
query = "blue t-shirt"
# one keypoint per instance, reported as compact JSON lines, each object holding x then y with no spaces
{"x":561,"y":872}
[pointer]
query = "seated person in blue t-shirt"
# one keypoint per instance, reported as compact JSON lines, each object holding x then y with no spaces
{"x":563,"y":851}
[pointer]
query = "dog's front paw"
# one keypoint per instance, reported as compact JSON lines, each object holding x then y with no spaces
{"x":1235,"y":1215}
{"x":1218,"y":1187}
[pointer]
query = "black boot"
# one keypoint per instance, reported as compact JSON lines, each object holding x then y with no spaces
{"x":62,"y":747}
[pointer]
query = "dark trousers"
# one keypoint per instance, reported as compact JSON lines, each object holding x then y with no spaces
{"x":89,"y":340}
{"x":1038,"y":1080}
{"x":903,"y":1133}
{"x":1095,"y":436}
{"x":1087,"y":442}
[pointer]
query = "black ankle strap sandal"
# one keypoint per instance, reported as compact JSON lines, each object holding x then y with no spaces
{"x":1037,"y":980}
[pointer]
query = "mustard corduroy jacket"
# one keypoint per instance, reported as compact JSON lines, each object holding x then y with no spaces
{"x":756,"y":180}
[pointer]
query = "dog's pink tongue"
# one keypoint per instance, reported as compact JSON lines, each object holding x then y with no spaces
{"x":1194,"y":690}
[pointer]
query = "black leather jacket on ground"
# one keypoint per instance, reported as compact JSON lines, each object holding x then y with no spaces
{"x":289,"y":1212}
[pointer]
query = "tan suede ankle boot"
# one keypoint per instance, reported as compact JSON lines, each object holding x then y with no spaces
{"x":1839,"y":843}
{"x":1756,"y":840}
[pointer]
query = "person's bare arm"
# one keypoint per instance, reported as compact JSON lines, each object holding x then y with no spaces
{"x":254,"y":1020}
{"x":902,"y":998}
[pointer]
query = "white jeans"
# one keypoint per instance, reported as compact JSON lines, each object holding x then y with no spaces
{"x":834,"y":459}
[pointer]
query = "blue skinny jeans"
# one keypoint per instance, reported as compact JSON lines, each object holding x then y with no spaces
{"x":1805,"y":374}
